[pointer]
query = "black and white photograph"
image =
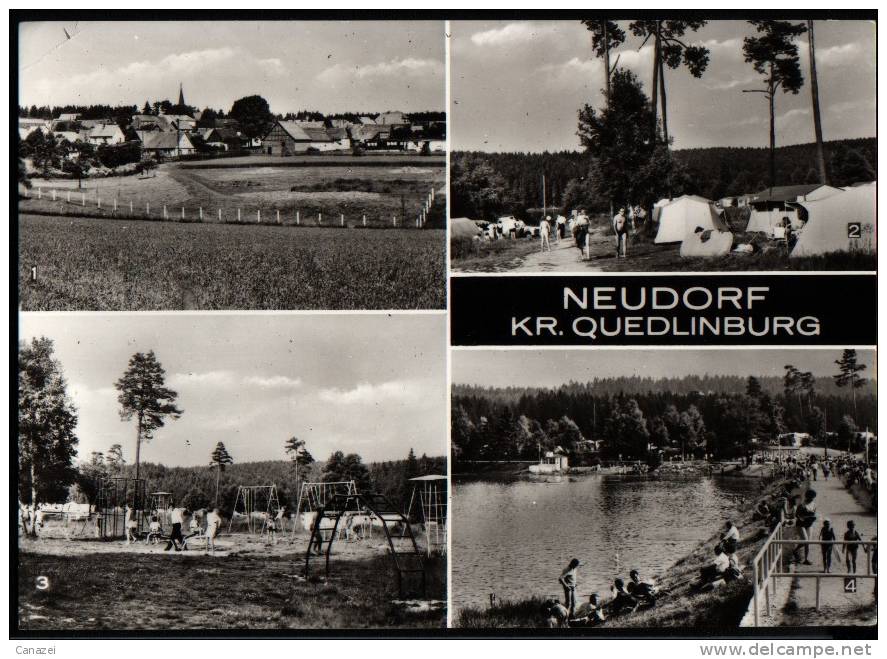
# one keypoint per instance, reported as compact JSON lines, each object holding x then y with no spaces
{"x":663,"y":145}
{"x":706,"y":491}
{"x":220,"y":473}
{"x":203,"y":164}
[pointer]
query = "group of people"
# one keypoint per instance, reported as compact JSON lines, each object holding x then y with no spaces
{"x":202,"y":524}
{"x":623,"y":597}
{"x":557,"y":229}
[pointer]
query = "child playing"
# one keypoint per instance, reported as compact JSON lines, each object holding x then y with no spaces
{"x":153,"y":531}
{"x":852,"y":538}
{"x":827,"y":535}
{"x":130,"y":524}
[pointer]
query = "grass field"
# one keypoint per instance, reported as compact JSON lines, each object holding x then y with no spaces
{"x":98,"y":264}
{"x":334,"y":186}
{"x":118,"y":589}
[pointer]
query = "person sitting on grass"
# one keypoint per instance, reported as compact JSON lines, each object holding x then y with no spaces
{"x":714,"y":571}
{"x":852,"y":538}
{"x":590,"y":612}
{"x":568,"y":580}
{"x":730,"y":538}
{"x":762,"y":510}
{"x":622,"y":599}
{"x":154,"y":531}
{"x":556,"y":614}
{"x":643,"y":590}
{"x":829,"y":548}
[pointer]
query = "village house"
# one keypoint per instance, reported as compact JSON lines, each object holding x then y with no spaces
{"x":107,"y":134}
{"x":391,"y":118}
{"x":287,"y":138}
{"x":166,"y":144}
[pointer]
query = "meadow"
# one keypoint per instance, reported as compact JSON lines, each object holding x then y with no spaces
{"x":256,"y":587}
{"x":97,"y":264}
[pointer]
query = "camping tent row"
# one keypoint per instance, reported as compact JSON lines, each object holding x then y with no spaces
{"x":843,"y":222}
{"x":770,"y":207}
{"x":695,"y":223}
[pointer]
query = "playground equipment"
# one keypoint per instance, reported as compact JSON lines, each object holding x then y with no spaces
{"x":428,"y":504}
{"x":402,"y":547}
{"x":257,"y":502}
{"x":314,"y":496}
{"x":159,"y":505}
{"x":113,"y":496}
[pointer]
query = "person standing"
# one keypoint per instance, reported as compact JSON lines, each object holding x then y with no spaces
{"x":213,"y":522}
{"x":827,"y":536}
{"x":852,"y":538}
{"x":620,"y":226}
{"x":176,"y":539}
{"x":806,"y":516}
{"x":545,"y":232}
{"x":568,"y":580}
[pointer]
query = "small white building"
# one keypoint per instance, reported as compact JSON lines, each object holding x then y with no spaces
{"x":165,"y":144}
{"x":552,"y":462}
{"x":108,"y":134}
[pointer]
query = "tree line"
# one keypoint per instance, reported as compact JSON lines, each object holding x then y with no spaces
{"x":592,"y":422}
{"x":48,"y":470}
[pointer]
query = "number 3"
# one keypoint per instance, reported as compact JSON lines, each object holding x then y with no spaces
{"x":42,"y":582}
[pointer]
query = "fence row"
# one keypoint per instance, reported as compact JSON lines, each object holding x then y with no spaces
{"x":168,"y":212}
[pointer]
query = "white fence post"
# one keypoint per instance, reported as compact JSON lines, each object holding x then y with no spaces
{"x":278,"y":217}
{"x":115,"y":204}
{"x":342,"y":219}
{"x":69,"y":196}
{"x":259,"y":216}
{"x":364,"y":220}
{"x":183,"y":213}
{"x":53,"y":194}
{"x":200,"y":213}
{"x":98,"y":201}
{"x":238,"y":215}
{"x":147,"y":209}
{"x":394,"y":220}
{"x":220,"y":215}
{"x":165,"y":214}
{"x":319,"y":218}
{"x":297,"y":218}
{"x":83,"y":199}
{"x":130,"y":208}
{"x":39,"y":193}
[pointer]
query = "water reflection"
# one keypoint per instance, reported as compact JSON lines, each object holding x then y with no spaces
{"x":513,"y":538}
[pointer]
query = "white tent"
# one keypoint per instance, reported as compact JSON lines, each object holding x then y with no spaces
{"x":839,"y":223}
{"x":684,"y":215}
{"x":771,"y":206}
{"x":462,"y":227}
{"x":706,"y":243}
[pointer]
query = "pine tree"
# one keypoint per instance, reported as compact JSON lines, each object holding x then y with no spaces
{"x":219,"y":458}
{"x":848,"y":376}
{"x":144,"y":396}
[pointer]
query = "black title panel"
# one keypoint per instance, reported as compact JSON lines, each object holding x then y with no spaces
{"x":821,"y":309}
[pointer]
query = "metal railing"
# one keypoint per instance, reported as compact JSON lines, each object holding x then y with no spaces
{"x":768,"y":567}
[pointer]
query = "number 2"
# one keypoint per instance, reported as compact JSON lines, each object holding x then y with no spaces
{"x":854,"y":230}
{"x":42,"y":582}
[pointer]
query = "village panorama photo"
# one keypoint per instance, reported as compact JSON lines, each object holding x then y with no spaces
{"x":663,"y":145}
{"x":221,"y":473}
{"x":236,"y":165}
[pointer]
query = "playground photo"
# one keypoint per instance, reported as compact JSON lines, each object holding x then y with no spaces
{"x":656,"y":155}
{"x":232,"y":472}
{"x":700,"y":490}
{"x":214,"y":183}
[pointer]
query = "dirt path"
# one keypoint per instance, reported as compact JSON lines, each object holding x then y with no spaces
{"x":835,"y":503}
{"x":563,"y":257}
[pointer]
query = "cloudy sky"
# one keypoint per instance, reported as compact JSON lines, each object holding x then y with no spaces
{"x":552,"y":368}
{"x":517,"y":86}
{"x":325,"y":66}
{"x":369,"y":384}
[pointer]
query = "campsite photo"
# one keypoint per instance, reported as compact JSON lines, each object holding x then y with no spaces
{"x":186,"y":474}
{"x":605,"y":145}
{"x":725,"y":492}
{"x":279,"y":165}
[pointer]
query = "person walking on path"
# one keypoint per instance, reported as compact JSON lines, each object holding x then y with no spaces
{"x":176,"y":539}
{"x":827,"y":535}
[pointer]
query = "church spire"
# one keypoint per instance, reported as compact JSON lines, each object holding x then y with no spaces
{"x":181,"y":96}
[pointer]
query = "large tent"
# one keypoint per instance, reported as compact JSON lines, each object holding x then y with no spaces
{"x":684,"y":215}
{"x":770,"y":206}
{"x":839,"y":223}
{"x":462,"y":227}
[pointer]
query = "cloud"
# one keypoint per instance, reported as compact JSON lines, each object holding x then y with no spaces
{"x":848,"y":53}
{"x":365,"y":393}
{"x":273,"y":382}
{"x":230,"y":380}
{"x":411,"y":67}
{"x":512,"y":34}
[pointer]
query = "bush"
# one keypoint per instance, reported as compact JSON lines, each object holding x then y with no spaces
{"x":120,"y":154}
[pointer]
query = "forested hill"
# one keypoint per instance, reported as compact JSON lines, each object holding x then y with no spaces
{"x":194,"y":487}
{"x":636,"y":385}
{"x":713,"y":172}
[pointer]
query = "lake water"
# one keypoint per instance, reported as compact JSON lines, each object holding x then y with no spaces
{"x":514,"y":537}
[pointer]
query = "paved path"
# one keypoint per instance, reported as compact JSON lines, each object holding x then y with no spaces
{"x":837,"y":504}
